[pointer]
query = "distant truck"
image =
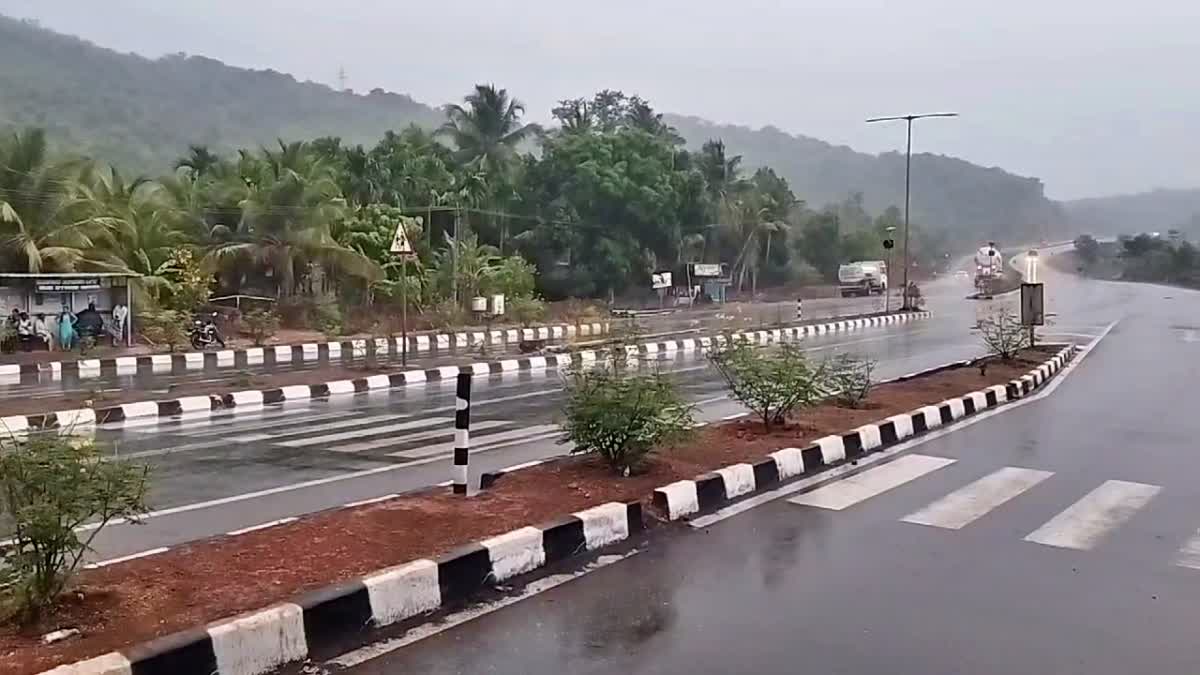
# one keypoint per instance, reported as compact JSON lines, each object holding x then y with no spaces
{"x":862,"y":277}
{"x":989,"y":268}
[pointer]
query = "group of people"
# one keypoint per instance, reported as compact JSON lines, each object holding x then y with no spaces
{"x":71,"y":327}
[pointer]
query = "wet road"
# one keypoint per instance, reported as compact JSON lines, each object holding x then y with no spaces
{"x":221,"y":473}
{"x":1058,"y":535}
{"x":217,"y":369}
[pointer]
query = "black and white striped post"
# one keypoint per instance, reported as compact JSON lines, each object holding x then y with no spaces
{"x":462,"y":433}
{"x":799,"y":309}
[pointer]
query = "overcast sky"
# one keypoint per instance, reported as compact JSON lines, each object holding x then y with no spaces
{"x":1092,"y":96}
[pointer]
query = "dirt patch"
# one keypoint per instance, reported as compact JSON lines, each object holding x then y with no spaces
{"x":132,"y":602}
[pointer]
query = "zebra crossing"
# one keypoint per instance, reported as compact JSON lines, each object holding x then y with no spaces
{"x":1092,"y":518}
{"x":390,"y":437}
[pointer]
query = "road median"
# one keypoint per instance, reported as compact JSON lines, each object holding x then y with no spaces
{"x":251,"y":400}
{"x":286,"y":591}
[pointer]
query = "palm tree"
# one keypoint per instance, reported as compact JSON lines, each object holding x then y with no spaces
{"x":199,"y":162}
{"x":487,"y":129}
{"x":290,"y":200}
{"x":45,"y":223}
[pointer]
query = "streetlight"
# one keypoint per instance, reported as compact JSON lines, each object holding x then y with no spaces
{"x":890,"y":245}
{"x":908,"y":179}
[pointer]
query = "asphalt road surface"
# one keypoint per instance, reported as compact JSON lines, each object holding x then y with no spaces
{"x":212,"y":475}
{"x":161,"y":380}
{"x":1057,"y":535}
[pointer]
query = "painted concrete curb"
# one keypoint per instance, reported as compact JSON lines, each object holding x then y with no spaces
{"x":254,"y":400}
{"x":716,"y":489}
{"x":300,"y":353}
{"x":320,"y":622}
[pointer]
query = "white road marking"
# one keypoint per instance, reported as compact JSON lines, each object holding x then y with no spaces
{"x":372,"y":500}
{"x":423,"y":631}
{"x":1189,"y":555}
{"x":125,"y":558}
{"x":966,"y":505}
{"x":422,"y":436}
{"x":305,"y":426}
{"x":445,"y":448}
{"x":1083,"y":524}
{"x":262,"y":526}
{"x":860,"y":487}
{"x":373,"y":431}
{"x":735,"y":416}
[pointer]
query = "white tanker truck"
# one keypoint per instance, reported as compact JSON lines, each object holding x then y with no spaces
{"x":989,"y":267}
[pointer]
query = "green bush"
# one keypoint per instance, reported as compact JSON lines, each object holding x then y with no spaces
{"x":849,"y":379}
{"x":327,"y":318}
{"x":770,"y":382}
{"x":261,"y":325}
{"x":165,"y":327}
{"x":49,"y":487}
{"x":623,"y":416}
{"x":1003,"y":334}
{"x":526,"y":310}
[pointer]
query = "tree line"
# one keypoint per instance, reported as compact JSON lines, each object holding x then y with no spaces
{"x":1144,"y":257}
{"x":589,"y":208}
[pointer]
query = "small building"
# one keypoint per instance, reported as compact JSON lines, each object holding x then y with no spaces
{"x":50,"y":293}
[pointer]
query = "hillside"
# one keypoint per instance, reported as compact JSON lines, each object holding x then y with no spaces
{"x":947,"y":192}
{"x":142,"y":113}
{"x":1158,"y":210}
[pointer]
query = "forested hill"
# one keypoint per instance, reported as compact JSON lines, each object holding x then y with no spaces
{"x":1159,"y":210}
{"x":947,"y":192}
{"x":142,"y":113}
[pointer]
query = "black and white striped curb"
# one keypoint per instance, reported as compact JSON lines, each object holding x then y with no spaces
{"x":324,"y":621}
{"x":254,"y":400}
{"x":300,"y":353}
{"x":712,"y":490}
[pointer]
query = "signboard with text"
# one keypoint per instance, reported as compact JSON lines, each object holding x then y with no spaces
{"x":706,"y":269}
{"x":67,"y":285}
{"x":660,"y":280}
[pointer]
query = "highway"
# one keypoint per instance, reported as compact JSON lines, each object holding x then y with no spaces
{"x":1056,"y":535}
{"x":221,"y":473}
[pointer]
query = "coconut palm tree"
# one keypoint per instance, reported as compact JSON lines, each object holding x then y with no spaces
{"x":487,"y":129}
{"x":199,"y":162}
{"x":290,"y":200}
{"x":46,"y":225}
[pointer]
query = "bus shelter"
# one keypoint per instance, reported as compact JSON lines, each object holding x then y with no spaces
{"x":51,"y":293}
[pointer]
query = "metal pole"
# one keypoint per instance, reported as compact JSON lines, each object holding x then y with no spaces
{"x":907,"y":184}
{"x":454,"y":260}
{"x":462,"y":433}
{"x":404,"y":311}
{"x":128,"y":312}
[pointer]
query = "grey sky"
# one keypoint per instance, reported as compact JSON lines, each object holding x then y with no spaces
{"x":1094,"y":97}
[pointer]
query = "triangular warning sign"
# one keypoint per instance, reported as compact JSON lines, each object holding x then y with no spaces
{"x":400,"y":243}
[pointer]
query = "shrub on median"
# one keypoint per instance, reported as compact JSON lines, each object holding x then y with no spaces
{"x":770,"y":382}
{"x":850,"y":378}
{"x":622,"y":415}
{"x":1003,"y":334}
{"x":49,"y":486}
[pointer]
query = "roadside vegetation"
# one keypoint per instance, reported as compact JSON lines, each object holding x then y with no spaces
{"x":1169,"y":259}
{"x":611,"y":196}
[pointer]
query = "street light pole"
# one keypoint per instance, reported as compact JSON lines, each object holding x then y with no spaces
{"x":908,"y":182}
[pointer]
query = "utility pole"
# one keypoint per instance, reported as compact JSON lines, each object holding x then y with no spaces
{"x":454,"y":257}
{"x":908,"y":181}
{"x":341,"y":78}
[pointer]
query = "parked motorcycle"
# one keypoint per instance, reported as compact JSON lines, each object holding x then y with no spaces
{"x":204,"y":333}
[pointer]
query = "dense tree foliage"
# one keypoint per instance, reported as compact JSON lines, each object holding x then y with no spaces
{"x":139,"y":114}
{"x":611,"y":197}
{"x":1145,"y":257}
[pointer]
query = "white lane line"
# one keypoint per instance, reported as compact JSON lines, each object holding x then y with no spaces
{"x":860,"y":487}
{"x":735,"y":416}
{"x":408,"y":438}
{"x":300,"y":427}
{"x":966,"y":505}
{"x":373,"y":431}
{"x":262,"y":526}
{"x":1189,"y":555}
{"x":372,"y":500}
{"x":125,"y":558}
{"x":446,"y":448}
{"x":418,"y":633}
{"x":1083,"y":524}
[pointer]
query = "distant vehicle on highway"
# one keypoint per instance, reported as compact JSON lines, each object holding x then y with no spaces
{"x":862,"y":277}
